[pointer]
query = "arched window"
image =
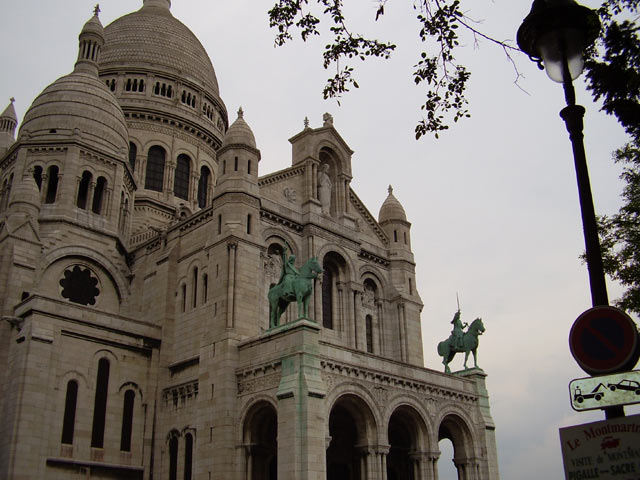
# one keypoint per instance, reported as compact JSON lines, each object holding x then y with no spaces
{"x":327,"y":297}
{"x":184,"y":297}
{"x":249,"y":224}
{"x":203,"y":187}
{"x":195,"y":287}
{"x":98,"y":194}
{"x":52,"y":185}
{"x":335,"y":272}
{"x":154,"y":178}
{"x":173,"y":458}
{"x":6,"y":193}
{"x":127,"y":421}
{"x":181,"y":179}
{"x":188,"y":456}
{"x":69,"y":419}
{"x":83,"y":190}
{"x":100,"y":404}
{"x":205,"y":288}
{"x":133,"y":151}
{"x":37,"y":176}
{"x":369,"y":333}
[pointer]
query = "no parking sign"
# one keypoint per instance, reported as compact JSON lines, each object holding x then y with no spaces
{"x":604,"y":340}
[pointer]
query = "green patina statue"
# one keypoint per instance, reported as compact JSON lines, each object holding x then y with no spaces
{"x":461,"y":341}
{"x":294,"y":285}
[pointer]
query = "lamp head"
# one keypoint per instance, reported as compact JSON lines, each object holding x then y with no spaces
{"x":556,"y":34}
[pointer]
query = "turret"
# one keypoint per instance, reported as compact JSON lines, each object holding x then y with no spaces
{"x":238,"y":160}
{"x":393,"y":221}
{"x":91,"y":42}
{"x":8,"y":122}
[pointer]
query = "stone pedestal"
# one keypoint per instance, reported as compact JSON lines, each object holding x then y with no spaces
{"x":301,"y":422}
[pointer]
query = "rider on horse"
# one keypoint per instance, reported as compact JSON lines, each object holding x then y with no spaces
{"x":289,"y":272}
{"x":457,"y":332}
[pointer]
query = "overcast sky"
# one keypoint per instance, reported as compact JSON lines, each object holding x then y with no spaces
{"x":493,"y":203}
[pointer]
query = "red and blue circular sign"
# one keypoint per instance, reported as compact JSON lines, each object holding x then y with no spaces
{"x":604,"y":340}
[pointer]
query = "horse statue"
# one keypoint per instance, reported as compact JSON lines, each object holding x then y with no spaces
{"x":298,"y":287}
{"x":469,"y":343}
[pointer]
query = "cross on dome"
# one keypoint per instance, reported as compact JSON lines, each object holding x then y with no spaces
{"x":96,"y":10}
{"x":240,"y":113}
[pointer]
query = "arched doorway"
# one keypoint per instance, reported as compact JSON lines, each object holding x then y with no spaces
{"x":260,"y":442}
{"x":455,"y":429}
{"x":351,"y":430}
{"x":406,"y":434}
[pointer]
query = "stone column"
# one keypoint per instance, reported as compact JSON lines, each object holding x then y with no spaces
{"x":169,"y":174}
{"x":383,"y":451}
{"x":432,"y":465}
{"x":346,"y":196}
{"x":317,"y":295}
{"x":193,"y":188}
{"x":357,"y":321}
{"x":231,"y":278}
{"x":380,"y":317}
{"x":90,"y":191}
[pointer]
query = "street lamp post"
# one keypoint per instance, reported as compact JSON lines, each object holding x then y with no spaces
{"x":555,"y":34}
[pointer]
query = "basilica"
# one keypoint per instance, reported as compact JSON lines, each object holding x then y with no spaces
{"x":139,"y":241}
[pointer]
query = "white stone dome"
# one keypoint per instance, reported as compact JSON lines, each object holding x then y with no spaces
{"x":239,"y":133}
{"x":153,"y":39}
{"x":78,"y":103}
{"x":391,"y":209}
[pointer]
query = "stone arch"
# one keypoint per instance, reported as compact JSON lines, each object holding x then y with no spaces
{"x":337,"y":157}
{"x":259,"y":439}
{"x":408,"y":440}
{"x":352,"y":437}
{"x":73,"y":375}
{"x":114,"y":369}
{"x":376,"y":275}
{"x":65,"y":278}
{"x":101,"y":261}
{"x":335,"y":298}
{"x":133,"y":386}
{"x":454,"y":425}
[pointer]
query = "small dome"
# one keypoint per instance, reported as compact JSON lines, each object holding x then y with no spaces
{"x":25,"y":197}
{"x":93,"y":25}
{"x":78,"y":103}
{"x":391,"y":209}
{"x":239,"y":133}
{"x":10,"y":112}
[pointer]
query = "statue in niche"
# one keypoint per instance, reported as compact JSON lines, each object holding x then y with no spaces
{"x":460,"y":341}
{"x":324,"y":188}
{"x":369,"y":297}
{"x":294,"y":285}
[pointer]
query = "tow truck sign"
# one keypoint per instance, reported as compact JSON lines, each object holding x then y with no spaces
{"x":605,"y":391}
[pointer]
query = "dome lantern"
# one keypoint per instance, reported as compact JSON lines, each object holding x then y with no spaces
{"x":91,"y":41}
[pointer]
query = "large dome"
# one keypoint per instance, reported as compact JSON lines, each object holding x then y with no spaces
{"x":78,"y":103}
{"x":153,"y":39}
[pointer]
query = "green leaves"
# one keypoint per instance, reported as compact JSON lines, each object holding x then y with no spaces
{"x":439,"y":21}
{"x":620,"y":233}
{"x":343,"y":47}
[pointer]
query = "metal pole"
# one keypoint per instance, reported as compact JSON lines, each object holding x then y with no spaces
{"x":573,"y":115}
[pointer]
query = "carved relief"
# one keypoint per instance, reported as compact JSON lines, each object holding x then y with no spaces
{"x":369,"y":297}
{"x":180,"y":396}
{"x":290,"y":194}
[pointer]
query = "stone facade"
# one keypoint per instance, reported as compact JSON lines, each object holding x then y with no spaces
{"x":138,"y":242}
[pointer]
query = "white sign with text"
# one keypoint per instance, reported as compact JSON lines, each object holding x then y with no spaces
{"x":604,"y":450}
